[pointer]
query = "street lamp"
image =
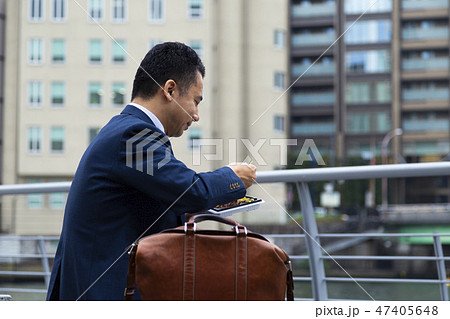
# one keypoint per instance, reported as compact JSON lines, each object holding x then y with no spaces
{"x":384,"y":148}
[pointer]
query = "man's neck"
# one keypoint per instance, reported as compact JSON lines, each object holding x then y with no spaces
{"x":151,"y":106}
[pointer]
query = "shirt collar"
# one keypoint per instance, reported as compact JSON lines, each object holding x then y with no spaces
{"x":152,"y":116}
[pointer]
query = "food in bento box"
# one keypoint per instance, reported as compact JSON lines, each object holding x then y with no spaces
{"x":237,"y":202}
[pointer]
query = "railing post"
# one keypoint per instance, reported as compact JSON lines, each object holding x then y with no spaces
{"x":316,"y":265}
{"x":440,"y":263}
{"x":44,"y":260}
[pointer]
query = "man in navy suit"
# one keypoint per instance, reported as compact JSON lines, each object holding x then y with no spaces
{"x":129,"y":183}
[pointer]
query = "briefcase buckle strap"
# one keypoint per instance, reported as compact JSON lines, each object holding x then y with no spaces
{"x":237,"y":228}
{"x":188,"y":226}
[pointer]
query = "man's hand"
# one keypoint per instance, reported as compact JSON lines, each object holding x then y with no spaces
{"x":246,"y":172}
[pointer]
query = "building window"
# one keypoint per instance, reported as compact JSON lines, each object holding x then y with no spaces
{"x":95,"y":94}
{"x":195,"y":9}
{"x":368,"y":92}
{"x":313,"y":97}
{"x":35,"y":51}
{"x":119,"y":11}
{"x":95,"y":51}
{"x":36,"y":10}
{"x":314,"y":36}
{"x":368,"y":31}
{"x":35,"y":89}
{"x":35,"y":201}
{"x":278,"y":81}
{"x":425,"y":30}
{"x":314,"y":8}
{"x":278,"y":123}
{"x":95,"y":10}
{"x":157,"y":11}
{"x":373,"y":61}
{"x":92,"y":133}
{"x":58,"y":94}
{"x":425,"y":60}
{"x":118,"y":94}
{"x":312,"y":66}
{"x":58,"y":51}
{"x":415,"y":5}
{"x":279,"y":39}
{"x":367,"y":6}
{"x":197,"y":46}
{"x":57,"y":139}
{"x":425,"y":91}
{"x":194,"y":135}
{"x":307,"y":126}
{"x":118,"y":51}
{"x":34,"y":140}
{"x":373,"y":122}
{"x":59,"y":10}
{"x":57,"y":200}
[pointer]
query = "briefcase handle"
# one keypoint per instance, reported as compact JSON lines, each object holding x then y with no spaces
{"x":191,"y":225}
{"x":202,"y":217}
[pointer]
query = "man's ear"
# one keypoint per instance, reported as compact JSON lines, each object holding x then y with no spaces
{"x":169,"y":88}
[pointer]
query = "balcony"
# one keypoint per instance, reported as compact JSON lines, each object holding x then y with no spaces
{"x":420,"y":64}
{"x":313,"y":10}
{"x":313,"y":39}
{"x":425,"y":94}
{"x":308,"y":129}
{"x":425,"y":34}
{"x":317,"y":69}
{"x":425,"y":68}
{"x":312,"y":99}
{"x":429,"y":125}
{"x":414,"y":5}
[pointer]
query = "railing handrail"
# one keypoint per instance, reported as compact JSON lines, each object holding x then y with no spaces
{"x":354,"y":172}
{"x":35,"y":188}
{"x":283,"y":176}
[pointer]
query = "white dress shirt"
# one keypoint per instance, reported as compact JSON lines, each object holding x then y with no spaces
{"x":152,"y":116}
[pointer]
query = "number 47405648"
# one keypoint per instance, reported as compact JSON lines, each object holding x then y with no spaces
{"x":407,"y":310}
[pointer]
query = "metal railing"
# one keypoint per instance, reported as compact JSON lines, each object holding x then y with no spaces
{"x":315,"y":252}
{"x":312,"y":239}
{"x":18,"y":257}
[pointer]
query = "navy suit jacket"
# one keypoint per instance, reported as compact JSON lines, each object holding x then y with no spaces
{"x":127,"y":180}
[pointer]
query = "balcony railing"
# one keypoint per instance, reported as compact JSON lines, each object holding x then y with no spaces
{"x":313,"y":10}
{"x":317,"y":69}
{"x":316,"y":254}
{"x":312,"y":39}
{"x":411,"y":5}
{"x":418,"y":64}
{"x":434,"y":94}
{"x":313,"y":129}
{"x":305,"y":99}
{"x":431,"y":125}
{"x":432,"y":33}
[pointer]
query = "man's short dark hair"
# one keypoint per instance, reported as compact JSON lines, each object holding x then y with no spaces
{"x":168,"y":60}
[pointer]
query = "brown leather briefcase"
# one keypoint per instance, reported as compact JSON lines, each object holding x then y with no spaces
{"x":191,"y":264}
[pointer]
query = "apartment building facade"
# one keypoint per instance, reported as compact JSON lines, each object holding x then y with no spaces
{"x":70,"y":66}
{"x":2,"y":68}
{"x":363,"y":68}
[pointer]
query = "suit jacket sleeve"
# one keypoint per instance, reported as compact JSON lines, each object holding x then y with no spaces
{"x":146,"y":162}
